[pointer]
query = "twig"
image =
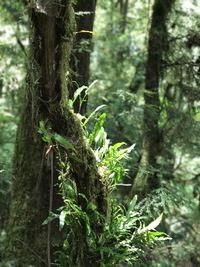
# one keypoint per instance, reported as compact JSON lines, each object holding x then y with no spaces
{"x":125,"y":185}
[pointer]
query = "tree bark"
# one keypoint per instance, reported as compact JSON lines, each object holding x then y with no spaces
{"x":80,"y":59}
{"x":123,"y":5}
{"x":146,"y":179}
{"x":35,"y":175}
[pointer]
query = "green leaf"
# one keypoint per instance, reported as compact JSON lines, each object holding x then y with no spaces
{"x":50,"y":218}
{"x":45,"y":132}
{"x":64,"y":142}
{"x":97,"y":128}
{"x":78,"y":93}
{"x":62,"y":219}
{"x":132,"y":204}
{"x":70,"y":103}
{"x":93,"y":113}
{"x":42,"y":127}
{"x":118,"y":145}
{"x":91,"y":85}
{"x":152,"y":225}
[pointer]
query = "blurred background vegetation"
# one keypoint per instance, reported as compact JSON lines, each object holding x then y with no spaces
{"x":118,"y":59}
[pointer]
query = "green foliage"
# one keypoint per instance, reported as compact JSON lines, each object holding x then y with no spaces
{"x":125,"y":238}
{"x":11,"y":75}
{"x":118,"y":68}
{"x":120,"y":86}
{"x":109,"y":157}
{"x":7,"y":139}
{"x":49,"y":137}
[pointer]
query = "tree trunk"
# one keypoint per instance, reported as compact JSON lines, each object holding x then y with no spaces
{"x":146,"y":179}
{"x":123,"y":5}
{"x":35,"y":190}
{"x":80,"y":58}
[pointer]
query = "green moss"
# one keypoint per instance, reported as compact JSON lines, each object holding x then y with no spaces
{"x":27,"y":238}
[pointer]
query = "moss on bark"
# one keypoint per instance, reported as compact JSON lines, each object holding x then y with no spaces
{"x":46,"y":98}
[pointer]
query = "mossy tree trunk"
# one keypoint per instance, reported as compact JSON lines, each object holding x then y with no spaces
{"x":146,"y":178}
{"x":80,"y":58}
{"x":35,"y":177}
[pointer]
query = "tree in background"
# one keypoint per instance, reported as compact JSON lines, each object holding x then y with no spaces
{"x":118,"y":63}
{"x":178,"y":122}
{"x":146,"y":179}
{"x":80,"y":58}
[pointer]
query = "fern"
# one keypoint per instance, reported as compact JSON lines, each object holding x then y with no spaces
{"x":125,"y":237}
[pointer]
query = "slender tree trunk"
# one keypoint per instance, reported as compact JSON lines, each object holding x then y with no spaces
{"x":123,"y":5}
{"x":146,"y":179}
{"x":35,"y":191}
{"x":80,"y":59}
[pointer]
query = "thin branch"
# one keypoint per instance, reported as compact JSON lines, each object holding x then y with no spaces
{"x":179,"y":63}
